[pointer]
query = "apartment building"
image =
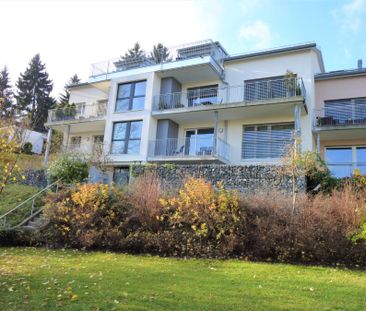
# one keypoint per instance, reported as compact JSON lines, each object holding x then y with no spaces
{"x":340,"y":119}
{"x":199,"y":104}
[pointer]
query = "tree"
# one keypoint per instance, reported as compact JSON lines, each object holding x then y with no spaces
{"x":65,"y":98}
{"x":33,"y":93}
{"x":297,"y":165}
{"x":7,"y":108}
{"x":134,"y":53}
{"x":160,"y":53}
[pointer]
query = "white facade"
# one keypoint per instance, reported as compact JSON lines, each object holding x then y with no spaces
{"x":196,"y":119}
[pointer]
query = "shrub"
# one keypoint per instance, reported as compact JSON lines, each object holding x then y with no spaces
{"x":90,"y":216}
{"x":204,"y":218}
{"x":144,"y":194}
{"x":69,"y":168}
{"x":27,"y":148}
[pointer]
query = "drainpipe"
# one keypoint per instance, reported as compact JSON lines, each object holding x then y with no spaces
{"x":67,"y":137}
{"x":216,"y":123}
{"x":318,"y":143}
{"x":297,"y":118}
{"x":48,"y":146}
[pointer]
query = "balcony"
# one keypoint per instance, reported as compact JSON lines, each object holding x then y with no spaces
{"x":189,"y":149}
{"x":208,"y":54}
{"x":78,"y":113}
{"x":251,"y":93}
{"x":344,"y":116}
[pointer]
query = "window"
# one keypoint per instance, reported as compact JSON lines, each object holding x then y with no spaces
{"x":121,"y":175}
{"x":205,"y":95}
{"x":199,"y":142}
{"x":126,"y":137}
{"x":342,"y":161}
{"x":266,"y":140}
{"x":131,"y":96}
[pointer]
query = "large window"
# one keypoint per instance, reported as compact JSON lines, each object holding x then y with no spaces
{"x":266,"y":140}
{"x":204,"y":95}
{"x":342,"y":161}
{"x":131,"y":96}
{"x":126,"y":137}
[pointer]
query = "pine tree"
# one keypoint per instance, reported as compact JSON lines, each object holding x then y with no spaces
{"x":65,"y":98}
{"x":160,"y":53}
{"x":33,"y":93}
{"x":7,"y":108}
{"x":135,"y":53}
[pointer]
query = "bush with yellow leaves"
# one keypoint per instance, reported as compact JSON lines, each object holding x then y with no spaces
{"x":89,"y":215}
{"x":206,"y":218}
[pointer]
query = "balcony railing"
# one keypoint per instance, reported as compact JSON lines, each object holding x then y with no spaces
{"x":161,"y":56}
{"x":190,"y":147}
{"x":346,"y":115}
{"x":80,"y":111}
{"x":261,"y":90}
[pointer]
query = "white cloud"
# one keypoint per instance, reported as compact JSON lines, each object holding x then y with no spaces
{"x":350,"y":15}
{"x":70,"y":35}
{"x":257,"y":34}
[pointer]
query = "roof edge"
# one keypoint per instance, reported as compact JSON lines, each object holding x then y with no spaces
{"x":278,"y":50}
{"x":340,"y":74}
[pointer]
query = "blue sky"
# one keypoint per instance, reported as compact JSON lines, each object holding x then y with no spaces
{"x":79,"y":32}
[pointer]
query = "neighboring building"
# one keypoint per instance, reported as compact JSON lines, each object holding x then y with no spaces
{"x":201,"y":105}
{"x":37,"y":139}
{"x":340,"y":119}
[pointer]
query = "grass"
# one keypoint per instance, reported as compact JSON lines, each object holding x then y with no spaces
{"x":40,"y":279}
{"x":13,"y":195}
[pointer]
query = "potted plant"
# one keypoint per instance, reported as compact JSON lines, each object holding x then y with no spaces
{"x":290,"y":83}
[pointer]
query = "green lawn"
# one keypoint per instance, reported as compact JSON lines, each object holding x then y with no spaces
{"x":15,"y":194}
{"x":38,"y":279}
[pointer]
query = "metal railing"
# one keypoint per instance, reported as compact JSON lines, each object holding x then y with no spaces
{"x":346,"y":115}
{"x":80,"y":111}
{"x":260,"y":90}
{"x":161,"y":56}
{"x":25,"y":211}
{"x":189,"y":147}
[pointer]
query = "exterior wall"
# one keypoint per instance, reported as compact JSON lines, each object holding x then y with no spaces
{"x":303,"y":63}
{"x":87,"y":94}
{"x":246,"y":179}
{"x":340,"y":88}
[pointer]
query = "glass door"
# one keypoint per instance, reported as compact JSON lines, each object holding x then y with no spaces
{"x":199,"y":142}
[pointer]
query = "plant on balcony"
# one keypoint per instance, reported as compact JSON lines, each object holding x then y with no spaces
{"x":59,"y":112}
{"x":70,"y":111}
{"x":291,"y":84}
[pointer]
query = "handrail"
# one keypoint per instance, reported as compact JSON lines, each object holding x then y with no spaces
{"x":32,"y":212}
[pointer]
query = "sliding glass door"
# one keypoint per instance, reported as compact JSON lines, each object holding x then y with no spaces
{"x":199,"y":142}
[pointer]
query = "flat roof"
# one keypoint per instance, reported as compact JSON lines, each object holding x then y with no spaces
{"x":340,"y":74}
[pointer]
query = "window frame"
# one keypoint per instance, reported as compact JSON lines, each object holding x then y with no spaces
{"x":131,"y":96}
{"x":127,"y":138}
{"x":354,"y":164}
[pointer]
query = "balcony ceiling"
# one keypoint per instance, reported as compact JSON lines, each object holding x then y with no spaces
{"x":197,"y":69}
{"x":343,"y":133}
{"x":81,"y":127}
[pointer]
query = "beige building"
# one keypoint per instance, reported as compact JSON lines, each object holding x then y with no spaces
{"x":340,"y":119}
{"x":199,"y":104}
